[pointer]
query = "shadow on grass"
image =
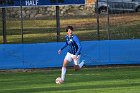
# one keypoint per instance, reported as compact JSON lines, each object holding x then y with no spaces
{"x":67,"y":88}
{"x":85,"y":75}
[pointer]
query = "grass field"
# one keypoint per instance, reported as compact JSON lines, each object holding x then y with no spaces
{"x":123,"y":79}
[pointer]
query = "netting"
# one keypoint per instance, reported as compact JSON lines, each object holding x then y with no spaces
{"x":38,"y":24}
{"x":120,"y":20}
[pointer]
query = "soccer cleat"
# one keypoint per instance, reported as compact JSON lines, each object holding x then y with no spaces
{"x":76,"y":67}
{"x":62,"y":81}
{"x":59,"y":81}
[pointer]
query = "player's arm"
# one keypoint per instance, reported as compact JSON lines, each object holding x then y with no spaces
{"x":79,"y":45}
{"x":64,"y":46}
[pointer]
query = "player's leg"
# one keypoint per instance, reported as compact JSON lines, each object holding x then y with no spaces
{"x":77,"y":65}
{"x":76,"y":62}
{"x":66,"y":61}
{"x":63,"y":70}
{"x":81,"y":64}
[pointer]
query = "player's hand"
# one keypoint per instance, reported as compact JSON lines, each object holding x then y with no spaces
{"x":59,"y":51}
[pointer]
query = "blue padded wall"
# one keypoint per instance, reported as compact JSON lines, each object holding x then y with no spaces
{"x":43,"y":55}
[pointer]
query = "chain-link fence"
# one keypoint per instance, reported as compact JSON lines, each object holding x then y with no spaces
{"x":38,"y":24}
{"x":119,"y":19}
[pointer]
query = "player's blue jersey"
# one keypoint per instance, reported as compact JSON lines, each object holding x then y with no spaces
{"x":74,"y":45}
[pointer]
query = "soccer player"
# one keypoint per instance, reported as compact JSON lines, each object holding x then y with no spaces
{"x":74,"y":52}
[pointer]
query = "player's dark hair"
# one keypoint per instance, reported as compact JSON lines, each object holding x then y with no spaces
{"x":69,"y":27}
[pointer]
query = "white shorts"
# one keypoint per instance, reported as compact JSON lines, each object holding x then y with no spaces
{"x":69,"y":57}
